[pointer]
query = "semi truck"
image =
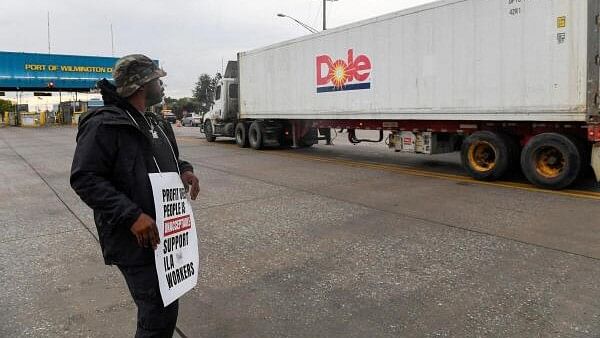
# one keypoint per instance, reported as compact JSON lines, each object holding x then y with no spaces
{"x":510,"y":84}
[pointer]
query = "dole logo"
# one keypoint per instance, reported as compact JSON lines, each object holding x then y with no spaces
{"x":341,"y":75}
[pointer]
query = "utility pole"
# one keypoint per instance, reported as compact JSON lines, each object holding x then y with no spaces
{"x":48,"y":32}
{"x":325,"y":13}
{"x":307,"y":27}
{"x":112,"y":40}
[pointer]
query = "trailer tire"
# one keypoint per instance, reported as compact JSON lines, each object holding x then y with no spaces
{"x":486,"y":155}
{"x":208,"y":132}
{"x":241,"y":135}
{"x":551,"y":161}
{"x":255,"y":135}
{"x":309,"y":139}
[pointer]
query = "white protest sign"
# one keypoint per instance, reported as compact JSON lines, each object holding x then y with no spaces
{"x":176,"y":256}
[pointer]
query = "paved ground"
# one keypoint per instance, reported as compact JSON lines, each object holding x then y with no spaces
{"x":338,"y":241}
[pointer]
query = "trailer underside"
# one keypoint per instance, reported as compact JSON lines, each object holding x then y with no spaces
{"x":550,"y":154}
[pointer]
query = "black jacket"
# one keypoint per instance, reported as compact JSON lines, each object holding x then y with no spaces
{"x":110,"y":174}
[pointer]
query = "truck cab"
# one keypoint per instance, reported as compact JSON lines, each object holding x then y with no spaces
{"x":225,"y":108}
{"x":223,"y":115}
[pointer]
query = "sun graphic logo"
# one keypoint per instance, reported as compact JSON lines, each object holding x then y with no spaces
{"x":338,"y":74}
{"x":342,"y":75}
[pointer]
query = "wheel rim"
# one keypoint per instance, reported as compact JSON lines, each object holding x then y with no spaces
{"x":238,"y":137}
{"x":549,"y":162}
{"x":482,"y":156}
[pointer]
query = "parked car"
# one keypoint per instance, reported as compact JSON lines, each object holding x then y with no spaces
{"x":169,"y":116}
{"x":188,"y":121}
{"x":192,"y":120}
{"x":197,"y":119}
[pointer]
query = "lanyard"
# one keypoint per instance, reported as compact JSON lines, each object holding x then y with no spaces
{"x":156,"y":136}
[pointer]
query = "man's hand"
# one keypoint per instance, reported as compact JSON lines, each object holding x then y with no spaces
{"x":188,"y":179}
{"x":146,"y":231}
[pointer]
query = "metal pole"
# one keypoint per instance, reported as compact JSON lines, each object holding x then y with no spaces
{"x":294,"y":139}
{"x":16,"y":115}
{"x":309,"y":28}
{"x":112,"y":40}
{"x":324,"y":14}
{"x":19,"y":97}
{"x":48,"y":32}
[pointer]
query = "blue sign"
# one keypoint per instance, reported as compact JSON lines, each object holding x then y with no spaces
{"x":51,"y":72}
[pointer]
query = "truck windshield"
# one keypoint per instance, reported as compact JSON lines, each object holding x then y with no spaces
{"x":233,"y":91}
{"x":218,"y":93}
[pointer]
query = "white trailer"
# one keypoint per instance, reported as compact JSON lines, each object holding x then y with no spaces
{"x":507,"y":82}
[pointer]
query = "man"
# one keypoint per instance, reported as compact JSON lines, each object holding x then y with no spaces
{"x":118,"y":145}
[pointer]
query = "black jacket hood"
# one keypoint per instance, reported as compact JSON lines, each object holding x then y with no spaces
{"x":114,"y":106}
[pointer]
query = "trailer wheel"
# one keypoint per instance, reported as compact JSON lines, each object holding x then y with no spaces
{"x":551,"y":161}
{"x":255,"y":135}
{"x":486,"y":155}
{"x":208,"y":132}
{"x":241,"y":135}
{"x":309,"y":139}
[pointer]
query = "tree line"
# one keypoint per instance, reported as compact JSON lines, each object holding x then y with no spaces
{"x":201,"y":100}
{"x":6,"y":105}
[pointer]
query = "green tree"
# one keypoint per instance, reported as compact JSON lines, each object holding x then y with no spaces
{"x":216,"y":79}
{"x":189,"y":104}
{"x":6,"y":105}
{"x":203,"y":92}
{"x":169,"y":100}
{"x":180,"y":106}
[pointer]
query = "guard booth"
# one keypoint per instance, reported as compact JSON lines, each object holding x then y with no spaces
{"x":51,"y":75}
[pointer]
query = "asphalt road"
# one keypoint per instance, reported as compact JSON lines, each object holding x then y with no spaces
{"x":332,"y":241}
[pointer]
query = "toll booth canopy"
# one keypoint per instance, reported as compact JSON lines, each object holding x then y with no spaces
{"x":52,"y":72}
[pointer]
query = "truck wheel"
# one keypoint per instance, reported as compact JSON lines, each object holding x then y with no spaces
{"x":551,"y":161}
{"x":309,"y":139}
{"x":486,"y":155}
{"x":241,"y":135}
{"x":255,"y":135}
{"x":208,"y":131}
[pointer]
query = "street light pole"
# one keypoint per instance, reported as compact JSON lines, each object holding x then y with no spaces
{"x":112,"y":40}
{"x":325,"y":13}
{"x":307,"y":27}
{"x":48,"y":32}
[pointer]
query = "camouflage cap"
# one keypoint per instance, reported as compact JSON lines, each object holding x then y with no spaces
{"x":133,"y":71}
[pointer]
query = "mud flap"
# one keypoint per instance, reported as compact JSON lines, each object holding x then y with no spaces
{"x":596,"y":160}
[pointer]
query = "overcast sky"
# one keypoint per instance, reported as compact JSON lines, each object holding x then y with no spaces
{"x":189,"y":37}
